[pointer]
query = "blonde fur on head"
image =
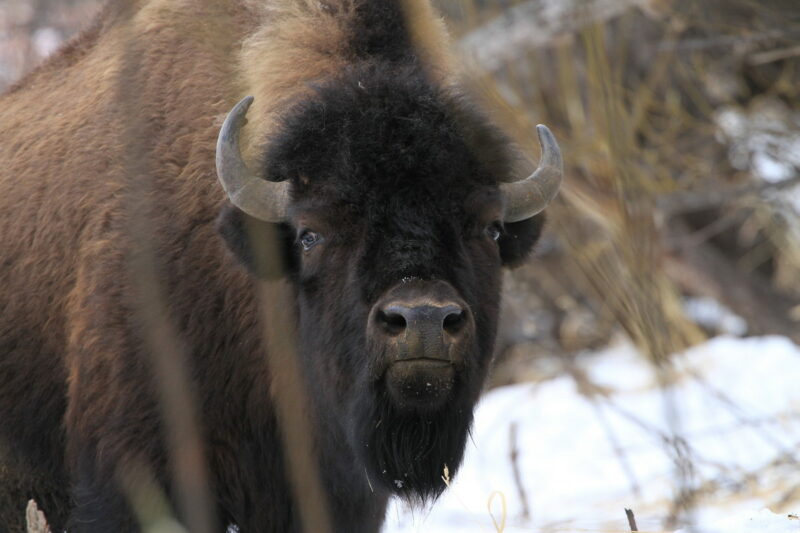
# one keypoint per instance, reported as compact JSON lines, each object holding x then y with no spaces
{"x":431,"y":39}
{"x":299,"y":41}
{"x":302,"y":41}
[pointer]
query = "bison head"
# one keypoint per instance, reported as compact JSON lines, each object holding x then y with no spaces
{"x":392,"y":197}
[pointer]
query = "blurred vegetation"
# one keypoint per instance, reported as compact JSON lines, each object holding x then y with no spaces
{"x":680,"y":125}
{"x":32,"y":29}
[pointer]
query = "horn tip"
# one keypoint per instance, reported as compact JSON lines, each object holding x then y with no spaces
{"x":550,"y":149}
{"x":234,"y":121}
{"x":543,"y":131}
{"x":244,"y":104}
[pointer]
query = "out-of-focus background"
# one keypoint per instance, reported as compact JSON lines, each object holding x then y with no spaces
{"x":648,"y":357}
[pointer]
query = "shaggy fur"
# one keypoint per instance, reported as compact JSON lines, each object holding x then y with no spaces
{"x":355,"y":105}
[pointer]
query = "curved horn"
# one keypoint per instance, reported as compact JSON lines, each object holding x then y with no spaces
{"x":259,"y":198}
{"x":530,"y":196}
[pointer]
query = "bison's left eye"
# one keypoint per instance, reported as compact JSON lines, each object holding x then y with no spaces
{"x":494,"y":230}
{"x":308,"y":239}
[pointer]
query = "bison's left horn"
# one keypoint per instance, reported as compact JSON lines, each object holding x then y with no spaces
{"x":530,"y":196}
{"x":262,"y":199}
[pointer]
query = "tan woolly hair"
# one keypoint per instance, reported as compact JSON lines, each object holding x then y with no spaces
{"x":301,"y":41}
{"x":431,"y":39}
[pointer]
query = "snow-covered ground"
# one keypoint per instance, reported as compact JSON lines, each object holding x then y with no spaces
{"x":723,"y":425}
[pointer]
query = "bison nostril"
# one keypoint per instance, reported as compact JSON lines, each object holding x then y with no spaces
{"x":421,"y":319}
{"x":454,"y":322}
{"x":391,"y":322}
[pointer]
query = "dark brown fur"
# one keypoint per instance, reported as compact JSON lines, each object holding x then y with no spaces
{"x":146,"y":88}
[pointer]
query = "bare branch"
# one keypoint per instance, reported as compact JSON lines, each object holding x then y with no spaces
{"x":533,"y":24}
{"x":631,"y":520}
{"x":514,"y":453}
{"x":685,"y":201}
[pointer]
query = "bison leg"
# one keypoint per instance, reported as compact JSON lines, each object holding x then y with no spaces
{"x":113,"y":438}
{"x":112,"y":417}
{"x":99,"y":505}
{"x":113,"y":442}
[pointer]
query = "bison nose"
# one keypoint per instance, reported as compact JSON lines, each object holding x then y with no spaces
{"x":398,"y":318}
{"x":422,"y":330}
{"x":421,"y":333}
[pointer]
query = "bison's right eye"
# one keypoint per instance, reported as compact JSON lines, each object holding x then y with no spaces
{"x":308,"y":239}
{"x":494,"y":230}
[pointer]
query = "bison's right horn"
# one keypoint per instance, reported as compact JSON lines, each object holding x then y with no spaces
{"x":528,"y":197}
{"x":262,"y":199}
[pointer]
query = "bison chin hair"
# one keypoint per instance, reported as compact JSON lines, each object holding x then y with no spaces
{"x":409,"y":452}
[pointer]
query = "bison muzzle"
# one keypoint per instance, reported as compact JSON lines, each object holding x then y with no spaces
{"x":423,"y":331}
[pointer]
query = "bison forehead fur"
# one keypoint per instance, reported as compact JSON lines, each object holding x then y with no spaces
{"x":393,"y":217}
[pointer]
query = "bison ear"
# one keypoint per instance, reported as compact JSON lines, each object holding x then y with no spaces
{"x":252,"y":242}
{"x":517,"y":240}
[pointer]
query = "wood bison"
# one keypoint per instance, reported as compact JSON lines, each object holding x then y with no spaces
{"x":396,"y":204}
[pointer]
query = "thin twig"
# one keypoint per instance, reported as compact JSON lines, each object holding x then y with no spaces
{"x":617,"y":447}
{"x":631,"y":520}
{"x":514,"y":453}
{"x":167,"y":349}
{"x":684,"y":201}
{"x":774,"y":55}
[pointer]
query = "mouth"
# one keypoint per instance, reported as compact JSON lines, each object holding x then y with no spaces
{"x":423,"y":362}
{"x":420,"y":384}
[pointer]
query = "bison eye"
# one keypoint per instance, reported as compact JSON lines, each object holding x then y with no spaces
{"x":494,"y":230}
{"x":308,"y":239}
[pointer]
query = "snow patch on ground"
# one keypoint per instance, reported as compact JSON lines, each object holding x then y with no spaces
{"x":722,"y":424}
{"x":712,"y":315}
{"x":764,"y":521}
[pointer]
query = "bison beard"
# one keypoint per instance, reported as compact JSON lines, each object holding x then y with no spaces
{"x":408,"y":452}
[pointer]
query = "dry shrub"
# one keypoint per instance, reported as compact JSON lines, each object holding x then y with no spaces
{"x":663,"y":199}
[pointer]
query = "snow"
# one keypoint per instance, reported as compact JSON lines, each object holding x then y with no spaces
{"x":712,"y":315}
{"x":764,"y":521}
{"x":46,"y":41}
{"x":723,"y":421}
{"x":765,"y":140}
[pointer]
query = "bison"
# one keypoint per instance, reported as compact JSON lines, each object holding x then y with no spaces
{"x":393,"y":204}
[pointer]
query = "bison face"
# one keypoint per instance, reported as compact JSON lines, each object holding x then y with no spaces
{"x":394,"y":240}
